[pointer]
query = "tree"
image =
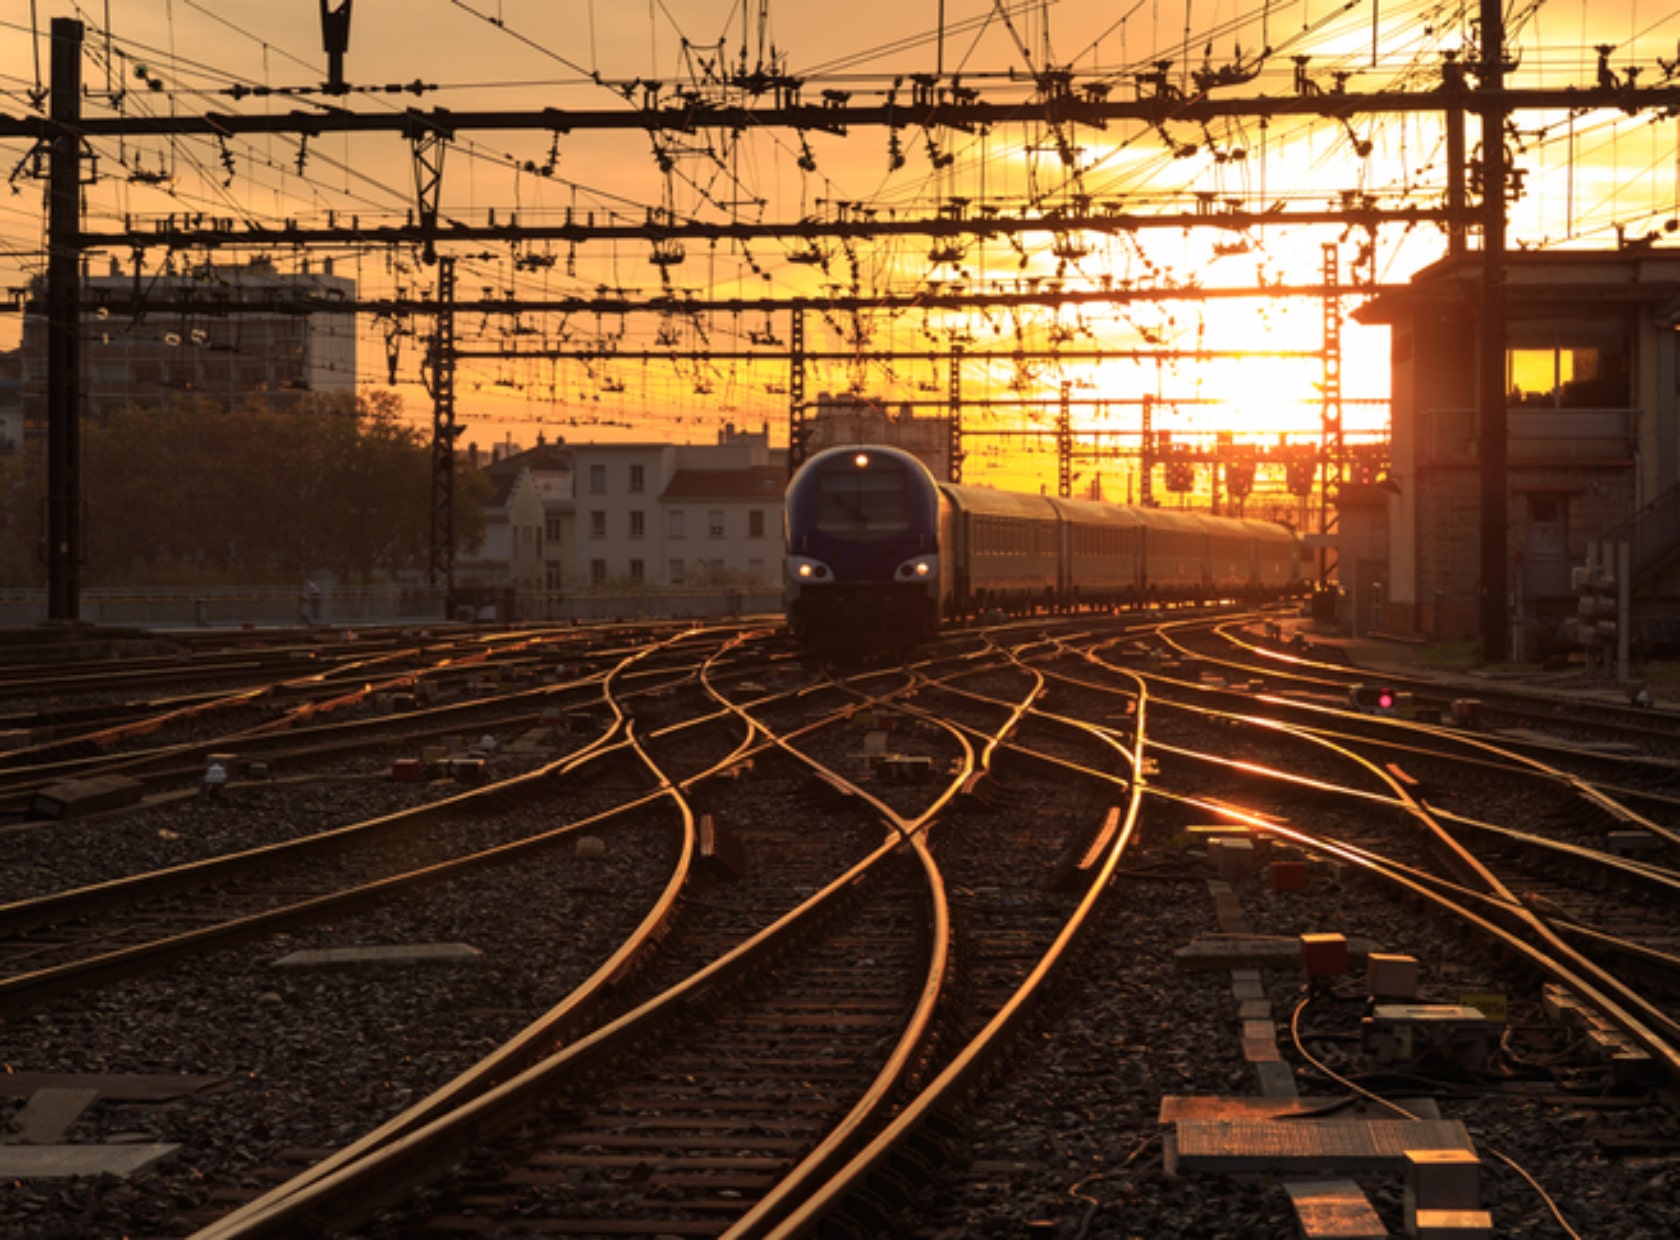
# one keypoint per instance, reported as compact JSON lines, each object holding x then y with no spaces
{"x":192,"y":494}
{"x":23,"y":489}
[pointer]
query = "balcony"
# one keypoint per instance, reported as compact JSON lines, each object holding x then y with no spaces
{"x":1563,"y":436}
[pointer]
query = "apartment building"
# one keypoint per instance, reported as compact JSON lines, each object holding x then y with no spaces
{"x":227,"y":334}
{"x":678,"y":516}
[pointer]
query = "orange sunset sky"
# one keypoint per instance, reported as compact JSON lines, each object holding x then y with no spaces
{"x":1588,"y":178}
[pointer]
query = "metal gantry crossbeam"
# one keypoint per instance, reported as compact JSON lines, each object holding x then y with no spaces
{"x":1058,"y":99}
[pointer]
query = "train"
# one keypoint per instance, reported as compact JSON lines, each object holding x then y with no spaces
{"x":879,"y":552}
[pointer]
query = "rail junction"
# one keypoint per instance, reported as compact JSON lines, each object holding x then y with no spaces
{"x":1097,"y":925}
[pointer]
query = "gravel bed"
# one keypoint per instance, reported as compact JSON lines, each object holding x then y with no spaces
{"x":311,"y":1060}
{"x":1064,"y":1142}
{"x":1068,"y":1143}
{"x":41,"y":858}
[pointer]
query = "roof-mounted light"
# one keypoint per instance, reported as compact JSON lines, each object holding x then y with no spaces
{"x":861,"y":460}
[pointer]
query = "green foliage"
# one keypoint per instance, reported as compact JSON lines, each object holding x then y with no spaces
{"x":22,"y":491}
{"x":1451,"y":656}
{"x":192,"y":495}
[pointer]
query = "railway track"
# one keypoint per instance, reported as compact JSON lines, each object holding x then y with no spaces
{"x":894,"y":871}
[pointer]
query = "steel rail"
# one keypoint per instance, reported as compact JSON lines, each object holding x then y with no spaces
{"x":80,"y":903}
{"x":533,"y":1041}
{"x":968,"y":1066}
{"x":1424,"y":886}
{"x":1635,"y":1015}
{"x":358,"y":1187}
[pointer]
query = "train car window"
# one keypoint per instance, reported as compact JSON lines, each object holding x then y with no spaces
{"x":862,"y":503}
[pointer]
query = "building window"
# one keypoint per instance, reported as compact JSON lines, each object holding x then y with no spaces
{"x":637,"y":573}
{"x":714,"y":523}
{"x":551,"y":528}
{"x":638,"y":524}
{"x":598,"y":572}
{"x":755,"y":523}
{"x":597,"y":479}
{"x":676,"y":572}
{"x":597,"y":523}
{"x":552,"y":577}
{"x":1567,"y":364}
{"x":638,"y":479}
{"x":674,"y":523}
{"x":755,"y":570}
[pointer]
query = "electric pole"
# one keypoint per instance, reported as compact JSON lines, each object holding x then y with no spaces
{"x":64,"y":341}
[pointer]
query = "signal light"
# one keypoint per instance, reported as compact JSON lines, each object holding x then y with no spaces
{"x":1374,"y":699}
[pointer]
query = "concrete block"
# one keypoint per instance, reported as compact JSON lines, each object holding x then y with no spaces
{"x":1284,"y":1147}
{"x":1631,"y":843}
{"x":62,"y":1162}
{"x":1334,"y":1210}
{"x":1287,"y":875}
{"x":1442,"y":1180}
{"x":1280,"y":955}
{"x":1391,"y":977}
{"x":77,"y":798}
{"x":1235,"y":858}
{"x":1247,"y":984}
{"x":125,"y":1086}
{"x":409,"y":955}
{"x":1324,"y":955}
{"x":1276,"y":1078}
{"x":49,"y":1113}
{"x":1451,"y":1225}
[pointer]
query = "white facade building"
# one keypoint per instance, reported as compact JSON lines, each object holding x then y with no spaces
{"x":525,"y":521}
{"x":606,"y":529}
{"x":678,"y":516}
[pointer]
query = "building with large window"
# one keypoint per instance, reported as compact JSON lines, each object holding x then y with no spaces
{"x":1593,"y":439}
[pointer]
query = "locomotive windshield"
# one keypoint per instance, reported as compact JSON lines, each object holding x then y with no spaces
{"x":863,"y":503}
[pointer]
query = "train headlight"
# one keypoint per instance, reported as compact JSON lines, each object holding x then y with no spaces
{"x":808,"y":570}
{"x":922,"y":568}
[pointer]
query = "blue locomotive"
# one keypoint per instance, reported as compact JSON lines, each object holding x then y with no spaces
{"x":880,"y":553}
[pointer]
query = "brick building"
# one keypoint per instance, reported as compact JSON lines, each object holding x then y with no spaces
{"x":1593,"y":438}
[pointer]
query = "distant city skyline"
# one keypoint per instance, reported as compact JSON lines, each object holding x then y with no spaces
{"x":1590,"y":180}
